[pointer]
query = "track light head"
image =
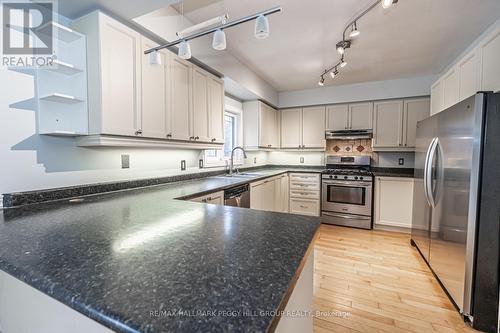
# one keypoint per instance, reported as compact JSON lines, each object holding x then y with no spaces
{"x":321,"y":82}
{"x":332,"y":74}
{"x":354,"y":31}
{"x":155,"y":58}
{"x":343,"y":63}
{"x":261,"y":27}
{"x":219,"y":40}
{"x":184,"y":51}
{"x":342,"y":46}
{"x":388,"y":3}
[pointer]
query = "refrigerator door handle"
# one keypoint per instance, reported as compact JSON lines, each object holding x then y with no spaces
{"x":427,"y":167}
{"x":432,"y":156}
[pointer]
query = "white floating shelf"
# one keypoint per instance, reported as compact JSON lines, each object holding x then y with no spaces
{"x":63,"y":33}
{"x":61,"y":98}
{"x":63,"y":133}
{"x":63,"y":68}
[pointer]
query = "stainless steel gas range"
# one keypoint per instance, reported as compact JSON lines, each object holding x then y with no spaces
{"x":347,"y":188}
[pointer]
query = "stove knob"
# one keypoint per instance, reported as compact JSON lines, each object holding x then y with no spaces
{"x":330,"y":177}
{"x":334,"y":177}
{"x":345,"y":177}
{"x":361,"y":178}
{"x":356,"y":178}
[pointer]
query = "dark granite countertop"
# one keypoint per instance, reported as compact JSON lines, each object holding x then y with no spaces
{"x":393,"y":172}
{"x":121,"y":256}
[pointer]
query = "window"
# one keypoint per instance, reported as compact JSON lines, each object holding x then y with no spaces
{"x":233,"y":136}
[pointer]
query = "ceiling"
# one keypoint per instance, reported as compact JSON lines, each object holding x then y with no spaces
{"x":414,"y":38}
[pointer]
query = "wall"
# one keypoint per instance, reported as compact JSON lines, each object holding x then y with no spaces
{"x":166,"y":21}
{"x":376,"y":90}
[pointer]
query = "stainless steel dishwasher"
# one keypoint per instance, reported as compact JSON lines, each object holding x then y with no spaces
{"x":238,"y":196}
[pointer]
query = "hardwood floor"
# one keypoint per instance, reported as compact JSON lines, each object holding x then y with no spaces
{"x":375,"y":281}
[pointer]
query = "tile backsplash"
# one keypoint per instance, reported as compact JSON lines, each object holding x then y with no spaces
{"x":349,"y":147}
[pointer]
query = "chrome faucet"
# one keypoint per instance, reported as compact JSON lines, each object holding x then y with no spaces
{"x":231,"y":166}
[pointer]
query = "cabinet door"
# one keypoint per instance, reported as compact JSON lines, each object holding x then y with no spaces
{"x":285,"y":192}
{"x":304,"y":207}
{"x":275,"y":128}
{"x":388,"y":122}
{"x":437,"y":98}
{"x":216,"y":98}
{"x":269,"y":195}
{"x":199,"y":117}
{"x":265,"y":126}
{"x":450,"y":88}
{"x":291,"y":128}
{"x":216,"y":198}
{"x":361,"y":116}
{"x":180,"y":97}
{"x":121,"y":78}
{"x":154,"y":110}
{"x":389,"y":190}
{"x":313,"y":127}
{"x":256,"y":195}
{"x":469,"y":75}
{"x":490,"y":67}
{"x":337,"y":117}
{"x":415,"y":110}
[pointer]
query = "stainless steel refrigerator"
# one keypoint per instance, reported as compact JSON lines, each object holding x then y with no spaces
{"x":455,"y":222}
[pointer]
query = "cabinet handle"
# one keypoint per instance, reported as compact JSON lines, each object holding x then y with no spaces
{"x":204,"y":200}
{"x":302,"y":206}
{"x":214,"y":139}
{"x":191,"y":138}
{"x":138,"y":132}
{"x":196,"y":137}
{"x":169,"y":135}
{"x":303,"y":146}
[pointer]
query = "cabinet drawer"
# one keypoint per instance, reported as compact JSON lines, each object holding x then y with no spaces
{"x":304,"y":194}
{"x":295,"y":185}
{"x":305,"y":177}
{"x":304,"y":207}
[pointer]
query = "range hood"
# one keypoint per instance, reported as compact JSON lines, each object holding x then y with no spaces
{"x":349,"y":134}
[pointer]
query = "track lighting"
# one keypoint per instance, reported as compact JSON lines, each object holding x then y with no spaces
{"x":332,"y":74}
{"x":321,"y":82}
{"x":184,"y":51}
{"x":388,"y":3}
{"x":343,"y":63}
{"x":342,"y":46}
{"x":219,"y":40}
{"x":155,"y":58}
{"x":354,"y":31}
{"x":261,"y":27}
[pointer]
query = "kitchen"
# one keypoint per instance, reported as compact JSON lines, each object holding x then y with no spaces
{"x":183,"y":166}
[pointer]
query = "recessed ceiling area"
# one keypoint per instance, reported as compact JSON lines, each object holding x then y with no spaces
{"x":413,"y":38}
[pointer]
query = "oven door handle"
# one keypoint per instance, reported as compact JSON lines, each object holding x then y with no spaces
{"x":351,"y":184}
{"x":345,"y":216}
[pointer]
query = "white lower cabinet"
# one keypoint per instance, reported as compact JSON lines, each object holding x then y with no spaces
{"x":216,"y":198}
{"x":393,"y":201}
{"x":305,"y":194}
{"x":282,"y":193}
{"x":270,"y":194}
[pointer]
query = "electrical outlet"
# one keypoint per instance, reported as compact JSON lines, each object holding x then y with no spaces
{"x":125,"y":161}
{"x":255,"y":160}
{"x":200,"y":163}
{"x":183,"y":165}
{"x":401,"y":161}
{"x":301,"y":160}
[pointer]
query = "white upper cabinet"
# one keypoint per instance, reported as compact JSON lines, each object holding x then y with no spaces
{"x":478,"y":70}
{"x":490,"y":73}
{"x":200,"y":112}
{"x":337,"y":117}
{"x":261,"y":127}
{"x":415,"y":110}
{"x":360,"y":116}
{"x":291,"y":128}
{"x":114,"y":71}
{"x":437,"y":97}
{"x":154,"y":101}
{"x":180,"y":98}
{"x":303,"y":128}
{"x":128,"y":96}
{"x":468,"y":70}
{"x":216,"y":110}
{"x":388,"y":120}
{"x":451,"y":87}
{"x":395,"y":123}
{"x":313,"y":127}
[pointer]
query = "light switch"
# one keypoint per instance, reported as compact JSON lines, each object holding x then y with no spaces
{"x":125,"y":161}
{"x":401,"y":161}
{"x":183,"y":165}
